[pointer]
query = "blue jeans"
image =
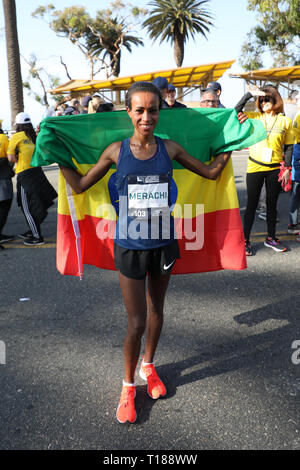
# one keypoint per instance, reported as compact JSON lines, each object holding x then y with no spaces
{"x":294,"y":203}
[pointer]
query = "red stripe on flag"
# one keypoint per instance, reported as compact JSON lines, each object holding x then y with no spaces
{"x":223,"y":246}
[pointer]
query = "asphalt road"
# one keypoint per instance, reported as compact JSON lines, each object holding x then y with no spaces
{"x":228,"y":352}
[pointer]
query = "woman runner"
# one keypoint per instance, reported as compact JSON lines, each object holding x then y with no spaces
{"x":143,"y":165}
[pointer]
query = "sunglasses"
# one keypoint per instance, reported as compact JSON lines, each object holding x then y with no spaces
{"x":265,"y":99}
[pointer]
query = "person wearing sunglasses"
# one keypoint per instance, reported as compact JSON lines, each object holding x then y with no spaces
{"x":264,"y":161}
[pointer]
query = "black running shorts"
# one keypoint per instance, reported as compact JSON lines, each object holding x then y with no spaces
{"x":137,"y":263}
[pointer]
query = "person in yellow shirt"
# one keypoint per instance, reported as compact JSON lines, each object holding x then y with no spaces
{"x":294,"y":208}
{"x":264,"y":161}
{"x":34,"y":192}
{"x":6,"y":188}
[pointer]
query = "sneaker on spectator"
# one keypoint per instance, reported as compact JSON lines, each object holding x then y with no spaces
{"x":275,"y":244}
{"x":34,"y":241}
{"x":25,"y":235}
{"x":248,"y":248}
{"x":293,"y":229}
{"x":6,"y":238}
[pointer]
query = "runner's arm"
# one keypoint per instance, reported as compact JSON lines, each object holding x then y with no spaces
{"x":81,"y":183}
{"x":210,"y":171}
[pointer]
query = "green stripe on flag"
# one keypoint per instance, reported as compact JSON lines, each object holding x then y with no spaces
{"x":202,"y":132}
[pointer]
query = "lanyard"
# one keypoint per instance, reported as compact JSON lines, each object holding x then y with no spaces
{"x":269,"y":130}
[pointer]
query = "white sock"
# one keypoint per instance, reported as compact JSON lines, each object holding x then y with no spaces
{"x":147,"y":363}
{"x":127,"y":384}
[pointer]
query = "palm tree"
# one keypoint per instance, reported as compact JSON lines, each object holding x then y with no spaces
{"x":175,"y":20}
{"x":107,"y":37}
{"x":13,"y":58}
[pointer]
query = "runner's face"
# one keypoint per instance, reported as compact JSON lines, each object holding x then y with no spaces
{"x":144,"y":112}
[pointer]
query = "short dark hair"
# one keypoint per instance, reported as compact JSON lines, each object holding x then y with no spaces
{"x":274,"y":94}
{"x":105,"y":107}
{"x":210,"y":91}
{"x":146,"y":87}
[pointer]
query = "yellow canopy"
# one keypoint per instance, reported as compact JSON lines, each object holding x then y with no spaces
{"x":279,"y":74}
{"x":179,"y":77}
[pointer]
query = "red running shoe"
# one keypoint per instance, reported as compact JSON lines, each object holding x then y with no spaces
{"x":156,"y":388}
{"x":126,"y":410}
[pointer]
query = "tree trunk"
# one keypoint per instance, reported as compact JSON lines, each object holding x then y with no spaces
{"x":13,"y":59}
{"x":178,"y":49}
{"x":115,"y":63}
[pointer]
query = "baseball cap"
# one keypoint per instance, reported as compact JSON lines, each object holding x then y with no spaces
{"x":213,"y":86}
{"x":171,"y":87}
{"x":160,"y":83}
{"x":97,"y":95}
{"x":22,"y":118}
{"x":69,"y":111}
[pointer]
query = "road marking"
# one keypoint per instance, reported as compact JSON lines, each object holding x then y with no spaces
{"x":19,"y":244}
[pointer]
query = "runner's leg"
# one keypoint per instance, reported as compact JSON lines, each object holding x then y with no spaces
{"x":157,"y":287}
{"x":134,"y":296}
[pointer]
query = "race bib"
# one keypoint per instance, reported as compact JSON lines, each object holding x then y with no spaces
{"x":147,"y":195}
{"x":267,"y":155}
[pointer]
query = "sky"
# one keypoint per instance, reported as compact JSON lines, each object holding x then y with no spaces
{"x":232,"y":21}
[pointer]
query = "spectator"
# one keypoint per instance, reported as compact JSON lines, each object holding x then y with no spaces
{"x":70,"y":111}
{"x":60,"y":109}
{"x":105,"y":107}
{"x":290,"y":105}
{"x":216,"y":87}
{"x":95,"y":103}
{"x":6,"y":188}
{"x":264,"y":161}
{"x":34,"y":192}
{"x":209,"y":99}
{"x":76,"y":105}
{"x":294,"y":208}
{"x":171,"y":98}
{"x":85,"y":104}
{"x":162,"y":84}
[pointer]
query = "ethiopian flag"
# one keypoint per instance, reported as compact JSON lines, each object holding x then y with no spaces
{"x":206,"y":213}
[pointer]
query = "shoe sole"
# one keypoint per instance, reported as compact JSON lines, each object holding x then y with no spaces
{"x":33,"y":244}
{"x":23,"y":237}
{"x":5,"y":240}
{"x":123,"y":422}
{"x":143,"y":376}
{"x":278,"y":250}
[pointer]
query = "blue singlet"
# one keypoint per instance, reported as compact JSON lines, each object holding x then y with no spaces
{"x":145,"y":219}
